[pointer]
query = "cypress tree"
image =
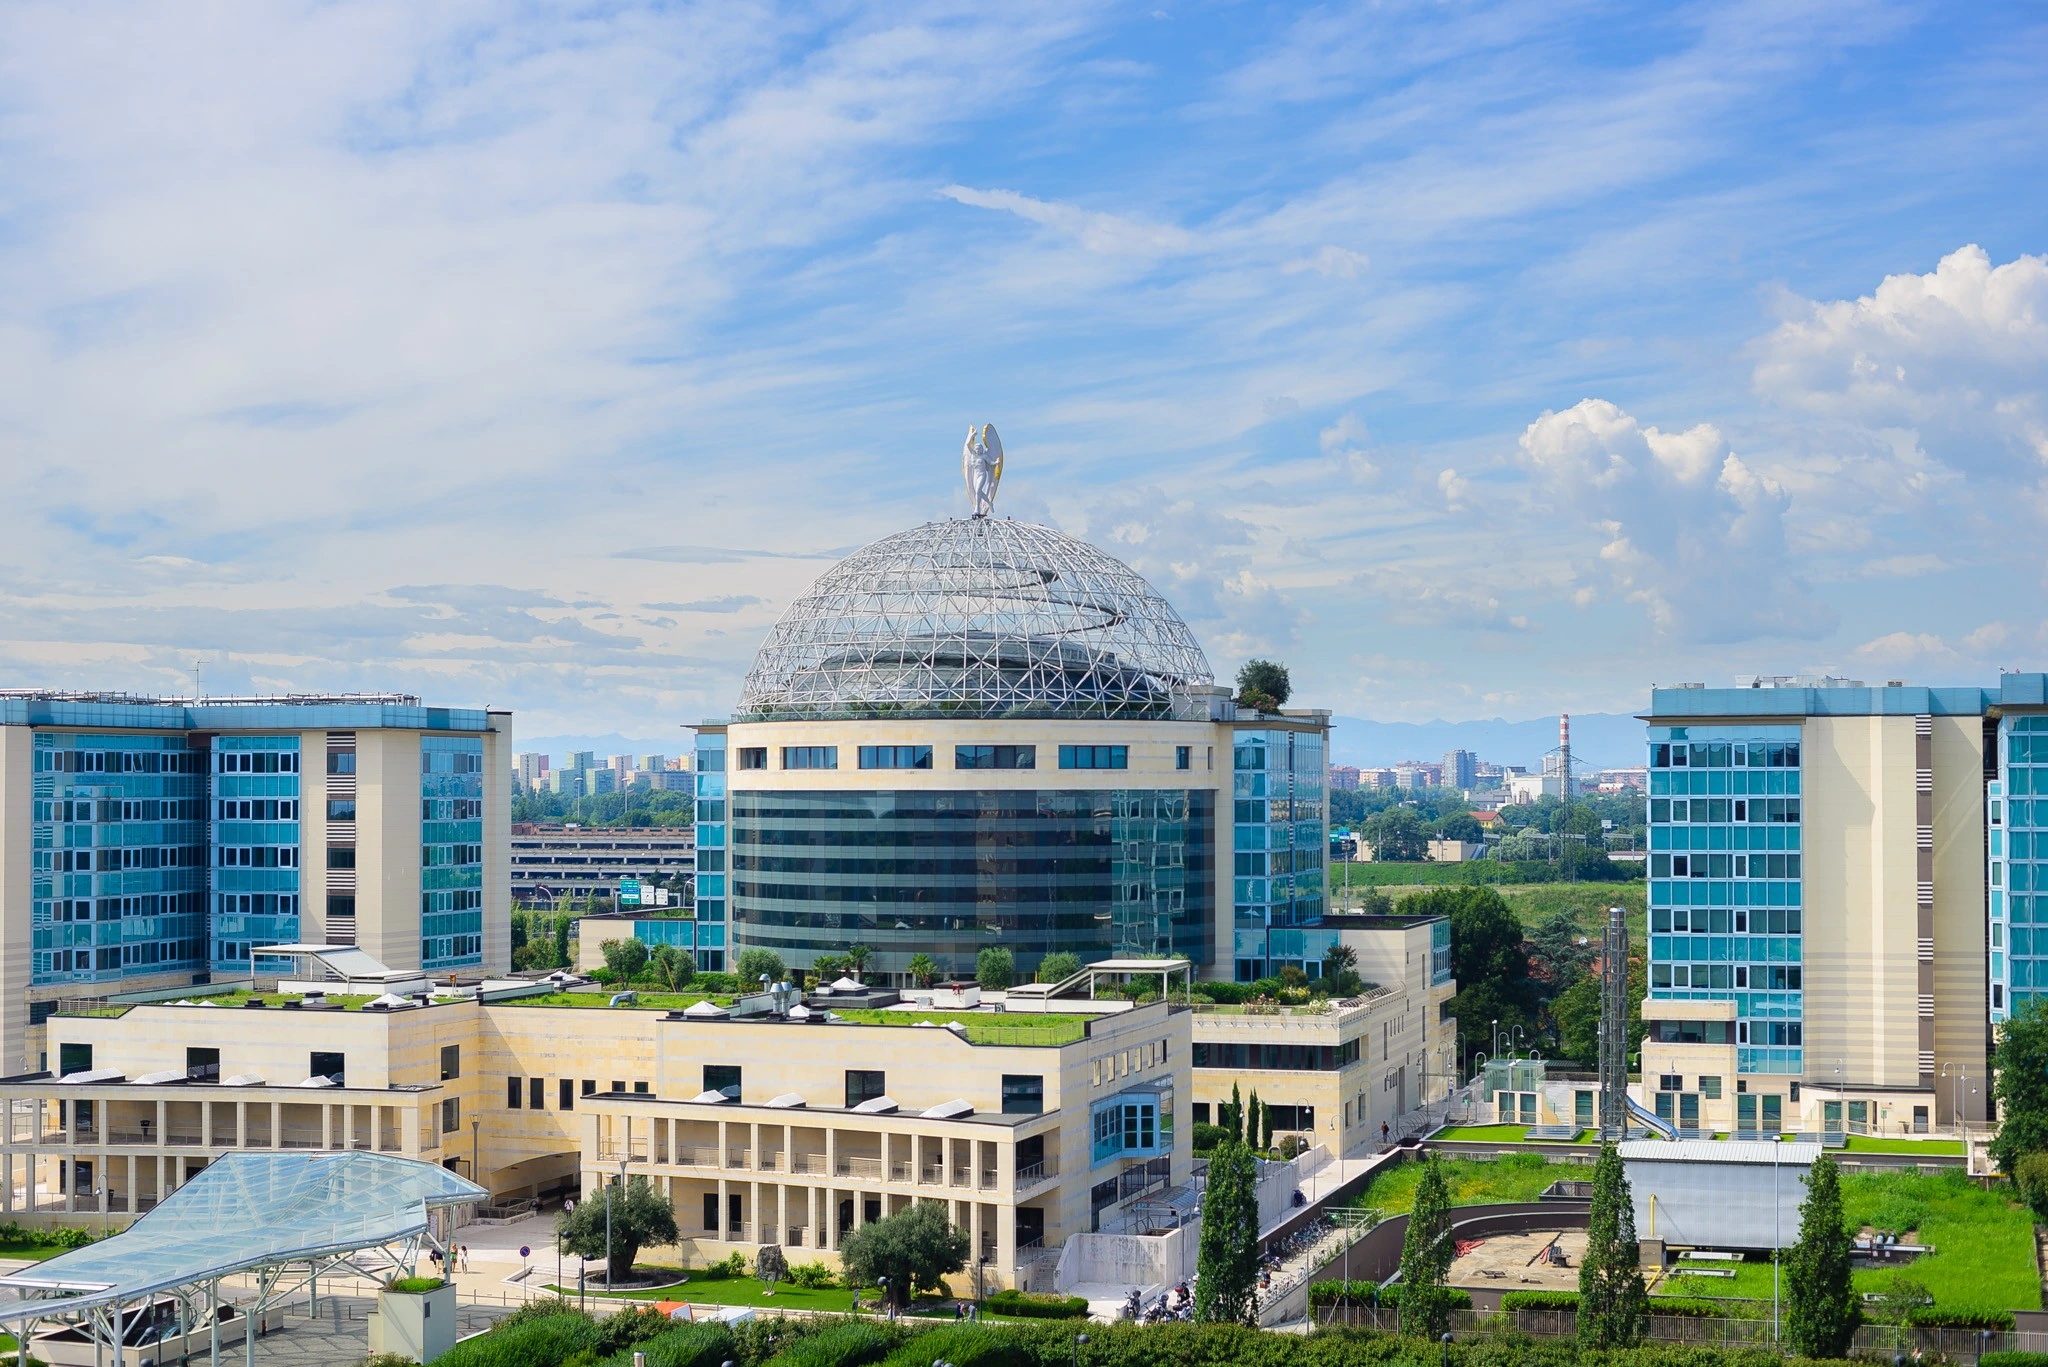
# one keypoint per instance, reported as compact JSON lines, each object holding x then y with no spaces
{"x":1233,"y":1119}
{"x":1228,"y":1264}
{"x":1613,"y":1303}
{"x":1820,"y":1309}
{"x":1426,"y":1255}
{"x":1252,"y":1111}
{"x":1266,"y":1127}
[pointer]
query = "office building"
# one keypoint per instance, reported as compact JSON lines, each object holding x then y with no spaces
{"x":152,"y":842}
{"x":984,"y":732}
{"x":1841,"y":900}
{"x":1460,"y":770}
{"x":761,"y":1120}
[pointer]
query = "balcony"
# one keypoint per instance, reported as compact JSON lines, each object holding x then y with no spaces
{"x":1031,"y":1174}
{"x":808,"y":1164}
{"x":736,"y":1158}
{"x":771,"y":1161}
{"x":902,"y":1170}
{"x":962,"y":1177}
{"x":988,"y":1179}
{"x":850,"y":1166}
{"x":932,"y":1174}
{"x":696,"y":1156}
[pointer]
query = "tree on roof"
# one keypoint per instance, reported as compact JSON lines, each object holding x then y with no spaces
{"x":1263,"y":685}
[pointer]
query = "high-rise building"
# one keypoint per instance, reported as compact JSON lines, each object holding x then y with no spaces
{"x":1461,"y":770}
{"x":531,"y":769}
{"x":154,"y":842}
{"x":620,"y":764}
{"x":1343,"y":778}
{"x":984,"y":732}
{"x":579,"y":760}
{"x":653,"y":763}
{"x":1841,"y":899}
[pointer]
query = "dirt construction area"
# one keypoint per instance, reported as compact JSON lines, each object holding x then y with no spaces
{"x":1516,"y":1262}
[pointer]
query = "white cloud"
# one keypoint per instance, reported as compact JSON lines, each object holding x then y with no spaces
{"x":1108,"y":234}
{"x":1685,"y":527}
{"x":1338,"y":262}
{"x":1958,"y":356}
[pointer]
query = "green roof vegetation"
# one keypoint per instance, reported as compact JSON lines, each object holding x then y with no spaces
{"x":1473,"y":1181}
{"x":983,"y":1027}
{"x":642,"y":1001}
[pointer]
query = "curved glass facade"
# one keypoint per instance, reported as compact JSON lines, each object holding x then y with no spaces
{"x":1119,"y":871}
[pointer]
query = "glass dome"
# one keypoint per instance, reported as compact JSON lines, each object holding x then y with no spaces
{"x":977,"y":617}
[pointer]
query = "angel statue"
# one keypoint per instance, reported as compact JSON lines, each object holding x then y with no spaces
{"x":981,"y":460}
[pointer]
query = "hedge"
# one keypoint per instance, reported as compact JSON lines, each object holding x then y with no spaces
{"x":542,"y":1341}
{"x":415,"y":1286}
{"x":1012,"y":1302}
{"x":963,"y":1345}
{"x":2013,"y":1359}
{"x":850,"y":1344}
{"x":1934,"y":1317}
{"x":692,"y":1345}
{"x":1369,"y":1293}
{"x":1540,"y":1300}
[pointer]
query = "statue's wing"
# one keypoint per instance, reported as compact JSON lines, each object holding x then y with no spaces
{"x":994,"y":444}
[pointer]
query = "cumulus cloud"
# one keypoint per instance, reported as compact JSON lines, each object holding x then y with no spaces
{"x":1686,"y":528}
{"x":1958,"y":356}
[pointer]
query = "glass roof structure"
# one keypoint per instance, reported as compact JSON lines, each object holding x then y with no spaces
{"x":976,"y":617}
{"x":245,"y":1211}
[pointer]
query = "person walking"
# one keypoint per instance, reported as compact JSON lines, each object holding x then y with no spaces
{"x":1384,"y":1132}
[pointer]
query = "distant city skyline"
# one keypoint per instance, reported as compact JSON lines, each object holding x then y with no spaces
{"x":1490,"y":361}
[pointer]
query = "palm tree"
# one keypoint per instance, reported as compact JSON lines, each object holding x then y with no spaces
{"x":924,"y":971}
{"x":858,"y":956}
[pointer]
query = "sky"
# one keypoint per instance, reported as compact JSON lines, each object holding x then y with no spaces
{"x":1474,"y":359}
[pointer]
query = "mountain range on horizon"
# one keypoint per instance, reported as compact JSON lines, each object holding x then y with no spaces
{"x":1600,"y":740}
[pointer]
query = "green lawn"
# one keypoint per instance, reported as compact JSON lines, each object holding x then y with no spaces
{"x":644,"y":1000}
{"x":1933,"y":1148}
{"x":31,"y":1253}
{"x":1020,"y":1027}
{"x":747,"y":1291}
{"x":1484,"y":1134}
{"x":1983,"y":1244}
{"x":1533,"y":903}
{"x":1473,"y":1181}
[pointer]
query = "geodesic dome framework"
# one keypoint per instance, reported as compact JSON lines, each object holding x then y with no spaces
{"x":976,"y":617}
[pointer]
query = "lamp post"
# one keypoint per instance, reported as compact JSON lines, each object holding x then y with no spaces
{"x":1080,"y":1342}
{"x":1447,"y":1348}
{"x":476,"y":1126}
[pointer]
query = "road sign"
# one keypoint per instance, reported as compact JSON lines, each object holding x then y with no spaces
{"x":629,"y":892}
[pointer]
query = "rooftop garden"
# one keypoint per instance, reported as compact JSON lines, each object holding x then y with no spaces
{"x":983,"y":1027}
{"x":1473,"y":1181}
{"x":642,"y":1000}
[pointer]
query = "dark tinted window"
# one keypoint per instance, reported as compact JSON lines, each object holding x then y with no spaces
{"x":1023,"y":1095}
{"x":722,"y":1077}
{"x":863,"y":1085}
{"x":327,"y":1065}
{"x":995,"y":757}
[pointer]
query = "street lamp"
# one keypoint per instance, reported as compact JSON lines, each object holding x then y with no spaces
{"x":1447,"y":1348}
{"x":1080,"y":1342}
{"x":475,"y":1129}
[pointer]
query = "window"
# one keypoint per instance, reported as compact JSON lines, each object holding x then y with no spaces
{"x":711,"y":1201}
{"x":329,"y":1066}
{"x":618,"y":1086}
{"x":752,"y":757}
{"x":1201,"y":1112}
{"x":863,"y":1085}
{"x":894,"y":757}
{"x":202,"y":1065}
{"x":451,"y":1062}
{"x":995,"y":757}
{"x":565,"y":1095}
{"x":718,"y":1077}
{"x":810,"y":757}
{"x":73,"y":1058}
{"x":341,"y":856}
{"x":1183,"y":756}
{"x":341,"y":809}
{"x":590,"y":1086}
{"x":536,"y":1093}
{"x":340,"y":907}
{"x":1094,"y":757}
{"x":341,"y":761}
{"x":1582,"y":1108}
{"x":1670,"y":1082}
{"x":1023,"y":1095}
{"x":512,"y":1094}
{"x":1710,"y":1087}
{"x":451,"y":1115}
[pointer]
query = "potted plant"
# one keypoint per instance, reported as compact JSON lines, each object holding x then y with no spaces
{"x":414,"y":1316}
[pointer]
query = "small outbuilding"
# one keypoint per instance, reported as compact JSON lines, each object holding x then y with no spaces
{"x":1735,"y":1194}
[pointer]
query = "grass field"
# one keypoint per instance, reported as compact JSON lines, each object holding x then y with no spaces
{"x":1983,"y":1244}
{"x":1485,"y":1134}
{"x":1933,"y":1148}
{"x":983,"y":1028}
{"x":1473,"y":1181}
{"x":645,"y":1001}
{"x":30,"y":1253}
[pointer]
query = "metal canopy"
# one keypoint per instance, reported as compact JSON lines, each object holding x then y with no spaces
{"x":245,"y":1212}
{"x":977,"y":617}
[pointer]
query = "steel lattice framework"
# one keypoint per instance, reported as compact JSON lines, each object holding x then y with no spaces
{"x":977,"y":617}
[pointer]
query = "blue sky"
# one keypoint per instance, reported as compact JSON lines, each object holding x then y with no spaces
{"x":1476,"y":359}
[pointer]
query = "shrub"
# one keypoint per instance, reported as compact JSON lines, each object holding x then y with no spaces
{"x":2030,"y":1175}
{"x":1934,"y":1317}
{"x":415,"y":1286}
{"x":1342,"y":1292}
{"x":539,"y":1342}
{"x":692,"y":1345}
{"x":717,"y":984}
{"x":962,"y":1345}
{"x":1688,"y":1307}
{"x":850,"y":1344}
{"x":1209,"y":1136}
{"x":1031,"y":1305}
{"x":1540,"y":1300}
{"x":12,"y":1233}
{"x":732,"y":1265}
{"x":814,"y":1275}
{"x":2013,"y":1358}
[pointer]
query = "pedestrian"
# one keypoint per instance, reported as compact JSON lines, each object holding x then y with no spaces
{"x":1384,"y":1132}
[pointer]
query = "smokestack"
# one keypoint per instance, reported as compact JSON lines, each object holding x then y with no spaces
{"x":1564,"y":751}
